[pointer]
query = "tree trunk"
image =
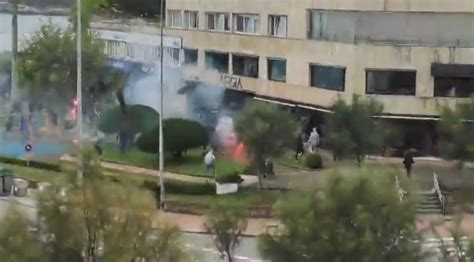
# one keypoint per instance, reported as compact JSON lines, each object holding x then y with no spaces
{"x":229,"y":256}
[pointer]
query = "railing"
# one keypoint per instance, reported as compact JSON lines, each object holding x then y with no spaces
{"x":399,"y":189}
{"x":438,"y":191}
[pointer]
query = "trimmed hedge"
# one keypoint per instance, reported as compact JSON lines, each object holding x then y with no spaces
{"x":32,"y":163}
{"x":313,"y":161}
{"x":179,"y":135}
{"x":233,"y":177}
{"x":179,"y":187}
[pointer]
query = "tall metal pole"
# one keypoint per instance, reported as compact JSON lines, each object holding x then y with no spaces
{"x":79,"y":87}
{"x":14,"y":72}
{"x":161,"y":155}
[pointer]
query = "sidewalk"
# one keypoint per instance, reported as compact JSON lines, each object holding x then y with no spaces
{"x":256,"y":227}
{"x":195,"y":224}
{"x":248,"y":180}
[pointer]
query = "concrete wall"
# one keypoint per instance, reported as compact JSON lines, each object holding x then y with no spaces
{"x":398,"y":28}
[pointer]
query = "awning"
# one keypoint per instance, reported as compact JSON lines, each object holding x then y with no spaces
{"x":452,"y":70}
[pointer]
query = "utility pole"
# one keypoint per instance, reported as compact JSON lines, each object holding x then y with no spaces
{"x":161,"y":155}
{"x":79,"y":89}
{"x":14,"y":72}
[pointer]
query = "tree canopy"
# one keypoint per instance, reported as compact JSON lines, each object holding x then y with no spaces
{"x":266,"y":130}
{"x":457,"y":132}
{"x":48,"y":68}
{"x":96,"y":221}
{"x":134,"y":118}
{"x":356,"y":218}
{"x":352,"y":128}
{"x":179,"y":135}
{"x":227,"y":222}
{"x":141,"y":8}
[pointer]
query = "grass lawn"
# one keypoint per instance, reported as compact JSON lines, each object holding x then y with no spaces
{"x":40,"y":175}
{"x":246,"y":197}
{"x":289,"y":160}
{"x":191,"y":164}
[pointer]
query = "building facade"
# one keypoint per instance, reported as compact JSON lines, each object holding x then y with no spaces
{"x":413,"y":56}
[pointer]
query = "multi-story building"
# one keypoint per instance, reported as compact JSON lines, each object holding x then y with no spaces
{"x":413,"y":56}
{"x":410,"y":55}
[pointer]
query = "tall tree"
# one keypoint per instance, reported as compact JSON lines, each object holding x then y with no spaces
{"x":266,"y":131}
{"x":141,"y":8}
{"x":352,"y":128}
{"x":48,"y":69}
{"x":457,"y":132}
{"x":357,"y":218}
{"x":226,"y":222}
{"x":95,"y":221}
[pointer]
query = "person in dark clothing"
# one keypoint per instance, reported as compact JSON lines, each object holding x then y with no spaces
{"x":269,"y":168}
{"x":408,"y":162}
{"x":299,"y":147}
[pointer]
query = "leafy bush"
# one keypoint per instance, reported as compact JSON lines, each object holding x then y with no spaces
{"x":180,"y":187}
{"x":179,"y":135}
{"x":231,"y":177}
{"x":135,"y":118}
{"x":32,"y":163}
{"x":313,"y":161}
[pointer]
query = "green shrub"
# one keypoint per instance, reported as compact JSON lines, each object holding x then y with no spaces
{"x":313,"y":161}
{"x":135,"y":118}
{"x":180,"y":187}
{"x":179,"y":135}
{"x":32,"y":163}
{"x":230,"y":177}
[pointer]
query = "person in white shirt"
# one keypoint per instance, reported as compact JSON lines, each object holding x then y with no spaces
{"x":209,"y":159}
{"x":313,"y":140}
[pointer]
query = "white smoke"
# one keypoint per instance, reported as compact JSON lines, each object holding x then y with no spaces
{"x":146,"y":91}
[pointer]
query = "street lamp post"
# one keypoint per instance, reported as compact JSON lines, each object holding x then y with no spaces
{"x":79,"y":87}
{"x":14,"y":72}
{"x":161,"y":155}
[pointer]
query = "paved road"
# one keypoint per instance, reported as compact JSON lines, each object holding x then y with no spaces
{"x":199,"y":246}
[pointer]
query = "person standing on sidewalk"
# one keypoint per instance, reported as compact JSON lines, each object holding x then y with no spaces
{"x":408,"y":162}
{"x":209,"y":159}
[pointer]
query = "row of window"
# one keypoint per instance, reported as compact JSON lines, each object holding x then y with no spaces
{"x":378,"y":81}
{"x":228,"y":22}
{"x":139,"y":52}
{"x":388,"y":82}
{"x":338,"y":25}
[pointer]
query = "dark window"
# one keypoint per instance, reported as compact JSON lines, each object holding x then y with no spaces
{"x":328,"y":77}
{"x":190,"y":56}
{"x":245,"y":65}
{"x":173,"y":54}
{"x":277,"y":69}
{"x":217,"y":61}
{"x":453,"y":87}
{"x":386,"y":82}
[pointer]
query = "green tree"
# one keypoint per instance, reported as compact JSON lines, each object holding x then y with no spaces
{"x":141,"y":8}
{"x":136,"y":118}
{"x":227,"y":222}
{"x":266,"y":131}
{"x":457,"y":132}
{"x":17,"y":243}
{"x":356,"y":218}
{"x":179,"y":136}
{"x":95,"y":221}
{"x":48,"y":68}
{"x":352,"y":129}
